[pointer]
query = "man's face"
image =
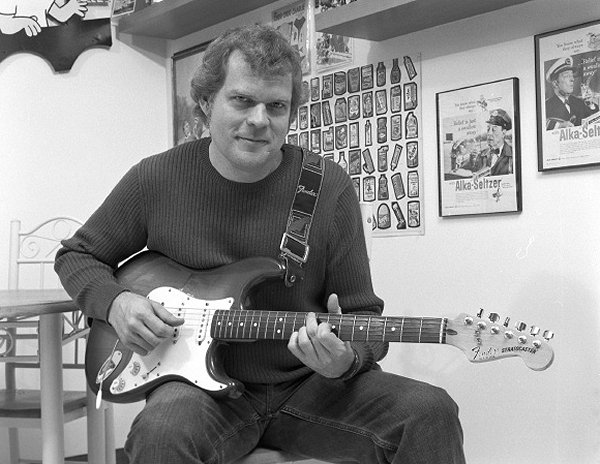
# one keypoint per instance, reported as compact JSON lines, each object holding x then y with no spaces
{"x":564,"y":83}
{"x":495,"y":136}
{"x":248,"y":120}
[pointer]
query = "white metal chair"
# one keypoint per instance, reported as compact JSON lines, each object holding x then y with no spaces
{"x":268,"y":456}
{"x":31,"y":260}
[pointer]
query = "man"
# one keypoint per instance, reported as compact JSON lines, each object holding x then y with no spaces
{"x":215,"y":201}
{"x":498,"y":157}
{"x":563,"y":109}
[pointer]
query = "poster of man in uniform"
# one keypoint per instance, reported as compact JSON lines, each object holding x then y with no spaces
{"x":568,"y":97}
{"x":478,"y":149}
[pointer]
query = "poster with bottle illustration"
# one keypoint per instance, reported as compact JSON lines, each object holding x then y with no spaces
{"x":367,"y":118}
{"x":291,"y":22}
{"x":479,"y":155}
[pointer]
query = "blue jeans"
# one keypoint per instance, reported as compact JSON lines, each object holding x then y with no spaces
{"x":376,"y":417}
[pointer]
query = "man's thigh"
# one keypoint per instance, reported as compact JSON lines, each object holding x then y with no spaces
{"x":374,"y":417}
{"x":182,"y":423}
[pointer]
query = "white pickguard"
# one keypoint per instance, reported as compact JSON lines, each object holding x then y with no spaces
{"x":185,"y":355}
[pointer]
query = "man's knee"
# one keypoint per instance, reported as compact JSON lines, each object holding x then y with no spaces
{"x":168,"y":415}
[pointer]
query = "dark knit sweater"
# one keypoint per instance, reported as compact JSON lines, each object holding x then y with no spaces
{"x":176,"y":203}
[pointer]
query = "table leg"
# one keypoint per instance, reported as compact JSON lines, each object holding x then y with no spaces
{"x":53,"y":434}
{"x":95,"y":431}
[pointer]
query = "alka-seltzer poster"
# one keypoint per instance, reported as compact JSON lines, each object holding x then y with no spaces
{"x":368,"y":119}
{"x":478,"y":149}
{"x":568,"y":96}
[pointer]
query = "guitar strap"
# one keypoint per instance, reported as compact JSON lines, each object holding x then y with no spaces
{"x":294,"y":242}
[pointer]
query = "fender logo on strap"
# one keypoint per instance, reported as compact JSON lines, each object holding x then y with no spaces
{"x":303,"y":189}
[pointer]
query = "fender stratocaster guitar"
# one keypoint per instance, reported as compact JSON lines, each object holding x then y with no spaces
{"x":211,"y":302}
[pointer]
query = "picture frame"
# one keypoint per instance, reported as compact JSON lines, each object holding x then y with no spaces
{"x":566,"y":68}
{"x":186,"y":126}
{"x":479,"y":152}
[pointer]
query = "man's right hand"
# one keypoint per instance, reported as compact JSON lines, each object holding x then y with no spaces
{"x":141,"y":324}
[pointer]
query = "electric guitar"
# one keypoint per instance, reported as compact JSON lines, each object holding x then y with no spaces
{"x":212,"y":304}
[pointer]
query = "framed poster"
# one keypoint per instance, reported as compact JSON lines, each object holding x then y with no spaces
{"x":568,"y":96}
{"x":186,"y":126}
{"x":479,"y":159}
{"x":291,"y":21}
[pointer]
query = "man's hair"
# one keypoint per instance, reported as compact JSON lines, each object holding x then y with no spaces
{"x":266,"y":52}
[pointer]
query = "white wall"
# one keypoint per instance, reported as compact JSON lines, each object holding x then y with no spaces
{"x":65,"y":139}
{"x":541,"y":266}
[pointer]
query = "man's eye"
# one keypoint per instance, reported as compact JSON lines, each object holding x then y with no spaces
{"x":278,"y":105}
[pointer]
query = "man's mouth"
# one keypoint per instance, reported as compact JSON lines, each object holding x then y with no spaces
{"x":252,"y":140}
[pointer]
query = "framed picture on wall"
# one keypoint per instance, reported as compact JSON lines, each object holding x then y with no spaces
{"x":479,"y":153}
{"x":568,"y":96}
{"x":186,"y":126}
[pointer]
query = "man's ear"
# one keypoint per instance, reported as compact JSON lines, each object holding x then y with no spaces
{"x":204,"y":103}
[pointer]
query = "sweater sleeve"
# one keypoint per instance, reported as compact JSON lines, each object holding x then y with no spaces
{"x":349,"y":274}
{"x":87,"y":261}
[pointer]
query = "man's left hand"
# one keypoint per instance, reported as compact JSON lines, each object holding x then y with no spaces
{"x":319,"y":348}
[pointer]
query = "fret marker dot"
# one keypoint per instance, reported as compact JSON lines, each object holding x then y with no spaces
{"x":229,"y":324}
{"x":255,"y":324}
{"x":278,"y":331}
{"x":361,"y":327}
{"x":393,"y":329}
{"x":281,"y":319}
{"x":241,"y":323}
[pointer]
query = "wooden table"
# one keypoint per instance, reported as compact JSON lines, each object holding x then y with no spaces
{"x":48,"y":305}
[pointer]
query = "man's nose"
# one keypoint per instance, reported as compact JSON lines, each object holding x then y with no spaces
{"x":258,"y":115}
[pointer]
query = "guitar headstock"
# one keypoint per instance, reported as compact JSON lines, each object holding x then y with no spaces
{"x":489,"y":339}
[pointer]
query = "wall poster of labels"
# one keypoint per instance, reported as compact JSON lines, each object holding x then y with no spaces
{"x":368,"y":119}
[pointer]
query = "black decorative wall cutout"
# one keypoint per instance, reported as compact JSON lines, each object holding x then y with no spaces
{"x":60,"y":45}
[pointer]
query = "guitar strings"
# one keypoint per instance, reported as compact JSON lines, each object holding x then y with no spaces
{"x":279,"y":323}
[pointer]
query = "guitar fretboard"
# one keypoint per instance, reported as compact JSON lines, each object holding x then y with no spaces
{"x":279,"y":325}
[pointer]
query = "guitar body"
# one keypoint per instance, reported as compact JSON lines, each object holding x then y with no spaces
{"x":191,"y":355}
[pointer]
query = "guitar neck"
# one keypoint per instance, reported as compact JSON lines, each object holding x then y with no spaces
{"x":280,"y":325}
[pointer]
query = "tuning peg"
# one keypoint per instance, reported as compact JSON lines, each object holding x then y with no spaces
{"x":506,"y":321}
{"x":548,"y":334}
{"x":520,"y":326}
{"x":480,"y":313}
{"x":534,"y":330}
{"x":494,"y":317}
